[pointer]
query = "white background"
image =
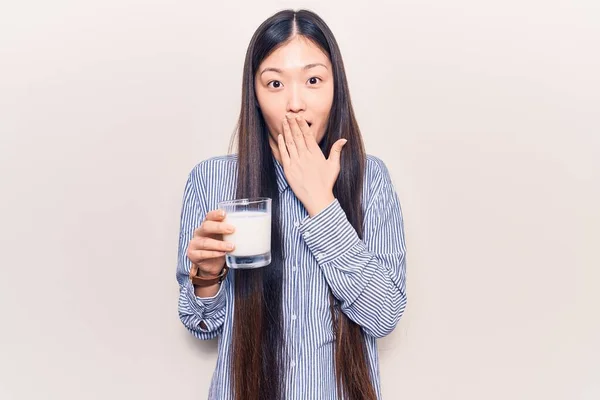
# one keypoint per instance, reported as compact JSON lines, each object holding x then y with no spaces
{"x":485,"y":112}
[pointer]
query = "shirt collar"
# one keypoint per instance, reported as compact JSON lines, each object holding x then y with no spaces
{"x":282,"y":183}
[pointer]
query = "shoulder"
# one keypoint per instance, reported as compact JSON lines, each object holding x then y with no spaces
{"x":377,"y":179}
{"x":215,"y":167}
{"x":213,"y":172}
{"x":376,"y":172}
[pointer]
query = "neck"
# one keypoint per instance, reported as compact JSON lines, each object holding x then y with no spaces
{"x":274,"y":149}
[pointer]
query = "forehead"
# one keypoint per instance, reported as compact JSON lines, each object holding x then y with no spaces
{"x":296,"y":53}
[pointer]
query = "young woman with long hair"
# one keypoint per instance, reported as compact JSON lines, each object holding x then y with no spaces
{"x":305,"y":326}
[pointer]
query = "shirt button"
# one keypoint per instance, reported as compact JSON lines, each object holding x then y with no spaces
{"x":294,"y":317}
{"x":306,"y":234}
{"x":296,"y":224}
{"x":293,"y":364}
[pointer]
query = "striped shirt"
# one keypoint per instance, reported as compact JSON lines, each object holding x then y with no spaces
{"x":367,"y":276}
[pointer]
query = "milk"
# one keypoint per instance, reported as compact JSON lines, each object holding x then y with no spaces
{"x":252,"y":234}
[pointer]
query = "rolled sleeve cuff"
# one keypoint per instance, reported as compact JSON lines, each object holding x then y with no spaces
{"x":208,"y":307}
{"x":329,"y":234}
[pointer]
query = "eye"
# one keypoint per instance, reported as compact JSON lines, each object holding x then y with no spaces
{"x":314,"y":80}
{"x":275,"y":84}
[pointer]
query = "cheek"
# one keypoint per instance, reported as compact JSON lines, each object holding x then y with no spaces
{"x":272,"y":113}
{"x":322,"y":103}
{"x":322,"y":111}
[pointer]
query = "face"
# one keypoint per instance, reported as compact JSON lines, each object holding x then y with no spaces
{"x":296,"y":78}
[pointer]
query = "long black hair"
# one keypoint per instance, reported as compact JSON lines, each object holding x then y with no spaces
{"x":258,"y":341}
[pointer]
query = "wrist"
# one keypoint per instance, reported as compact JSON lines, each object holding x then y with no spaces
{"x":204,"y":274}
{"x":207,"y":291}
{"x":206,"y":284}
{"x":319,"y":204}
{"x":203,"y":281}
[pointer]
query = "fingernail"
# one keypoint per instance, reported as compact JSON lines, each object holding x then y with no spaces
{"x":222,"y":213}
{"x":229,"y":246}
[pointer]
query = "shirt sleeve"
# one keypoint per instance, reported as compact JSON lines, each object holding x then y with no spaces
{"x":367,"y":276}
{"x":203,"y":317}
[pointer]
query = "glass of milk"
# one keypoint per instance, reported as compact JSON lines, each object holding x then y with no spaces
{"x":252,"y":237}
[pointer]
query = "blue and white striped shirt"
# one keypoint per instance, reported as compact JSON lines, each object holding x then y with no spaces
{"x":367,"y":276}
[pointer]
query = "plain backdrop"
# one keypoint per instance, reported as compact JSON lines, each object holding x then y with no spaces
{"x":485,"y":112}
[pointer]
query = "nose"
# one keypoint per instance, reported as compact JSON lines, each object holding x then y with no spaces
{"x":295,"y":101}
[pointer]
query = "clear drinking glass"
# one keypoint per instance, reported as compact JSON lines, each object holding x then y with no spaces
{"x":252,"y":237}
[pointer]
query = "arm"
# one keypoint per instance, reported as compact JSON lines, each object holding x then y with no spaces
{"x":367,"y":276}
{"x":204,"y":317}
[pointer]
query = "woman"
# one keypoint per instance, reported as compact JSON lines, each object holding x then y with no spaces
{"x":304,"y":327}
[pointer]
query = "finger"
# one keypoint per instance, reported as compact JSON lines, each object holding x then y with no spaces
{"x":206,"y":243}
{"x":197,"y":256}
{"x":285,"y":156}
{"x":215,"y":215}
{"x":214,"y":227}
{"x":289,"y":140}
{"x":309,"y":137}
{"x":297,"y":134}
{"x":336,"y":151}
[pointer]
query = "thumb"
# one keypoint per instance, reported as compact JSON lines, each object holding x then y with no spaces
{"x":336,"y":151}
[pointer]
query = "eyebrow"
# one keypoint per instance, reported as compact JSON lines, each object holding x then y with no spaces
{"x":306,"y":67}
